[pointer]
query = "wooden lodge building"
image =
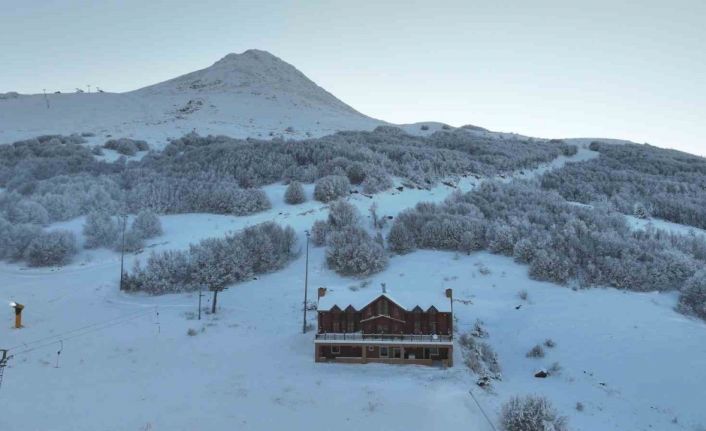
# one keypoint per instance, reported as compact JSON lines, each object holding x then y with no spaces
{"x":358,"y":328}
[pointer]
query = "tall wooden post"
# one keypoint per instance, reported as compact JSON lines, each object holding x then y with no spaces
{"x":122,"y":252}
{"x":306,"y":281}
{"x":200,"y":296}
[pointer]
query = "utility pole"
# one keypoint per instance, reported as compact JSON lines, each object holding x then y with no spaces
{"x":306,"y":281}
{"x":122,"y":252}
{"x":200,"y":296}
{"x":46,"y":99}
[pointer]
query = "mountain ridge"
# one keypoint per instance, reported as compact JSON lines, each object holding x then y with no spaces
{"x":251,"y":94}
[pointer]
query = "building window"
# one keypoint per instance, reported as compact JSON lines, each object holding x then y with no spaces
{"x":335,"y":350}
{"x":417,"y":321}
{"x":396,"y":352}
{"x":384,"y":353}
{"x":371,"y":348}
{"x":434,"y":351}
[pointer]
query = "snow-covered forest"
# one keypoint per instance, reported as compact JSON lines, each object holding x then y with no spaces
{"x":641,"y":180}
{"x":366,"y":158}
{"x":214,"y":263}
{"x":56,"y":178}
{"x":561,"y":242}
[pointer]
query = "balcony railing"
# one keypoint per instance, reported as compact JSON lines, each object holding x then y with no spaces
{"x":404,"y":338}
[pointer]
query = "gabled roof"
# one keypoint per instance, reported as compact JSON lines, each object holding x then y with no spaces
{"x":408,"y":300}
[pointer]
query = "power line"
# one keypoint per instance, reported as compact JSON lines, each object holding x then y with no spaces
{"x":59,"y":338}
{"x":482,"y":411}
{"x":55,"y":337}
{"x":79,"y":334}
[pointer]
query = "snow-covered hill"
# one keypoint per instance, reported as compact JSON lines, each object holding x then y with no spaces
{"x":253,"y":94}
{"x":135,"y":362}
{"x":128,"y":362}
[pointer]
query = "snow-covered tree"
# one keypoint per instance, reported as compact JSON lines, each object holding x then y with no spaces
{"x":376,"y":180}
{"x":351,"y":251}
{"x":28,"y":211}
{"x":551,"y":266}
{"x":51,"y":248}
{"x":356,"y":172}
{"x":295,"y":193}
{"x":319,"y":232}
{"x":500,"y":239}
{"x":640,"y":210}
{"x":18,"y":238}
{"x":147,"y":224}
{"x":342,"y":214}
{"x":60,"y":206}
{"x":126,"y":146}
{"x":401,"y":239}
{"x":165,"y":272}
{"x":693,"y":295}
{"x":531,"y":413}
{"x":524,"y":250}
{"x":373,"y":210}
{"x":331,"y":187}
{"x":134,"y":241}
{"x":216,"y":262}
{"x":100,"y":230}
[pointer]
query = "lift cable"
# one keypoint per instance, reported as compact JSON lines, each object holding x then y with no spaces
{"x":76,"y":334}
{"x":63,"y":334}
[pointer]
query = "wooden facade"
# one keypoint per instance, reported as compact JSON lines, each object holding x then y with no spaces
{"x":385,"y":331}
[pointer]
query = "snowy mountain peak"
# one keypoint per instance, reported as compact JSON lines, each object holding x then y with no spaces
{"x":251,"y":94}
{"x":255,"y":73}
{"x":254,"y":54}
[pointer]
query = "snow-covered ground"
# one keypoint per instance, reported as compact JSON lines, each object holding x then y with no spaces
{"x":629,"y":358}
{"x":253,"y":94}
{"x":640,"y":223}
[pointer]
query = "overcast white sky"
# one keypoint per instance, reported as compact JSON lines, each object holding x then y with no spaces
{"x":624,"y":69}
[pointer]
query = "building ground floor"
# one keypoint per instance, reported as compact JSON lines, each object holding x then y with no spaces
{"x":390,"y":353}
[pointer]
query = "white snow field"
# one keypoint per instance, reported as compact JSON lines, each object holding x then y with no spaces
{"x":249,"y":95}
{"x":128,"y":363}
{"x":253,"y":94}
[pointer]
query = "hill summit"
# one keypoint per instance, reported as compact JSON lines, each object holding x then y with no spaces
{"x":253,"y":72}
{"x":251,"y":94}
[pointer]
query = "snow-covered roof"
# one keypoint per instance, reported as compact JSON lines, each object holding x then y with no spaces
{"x":343,"y":297}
